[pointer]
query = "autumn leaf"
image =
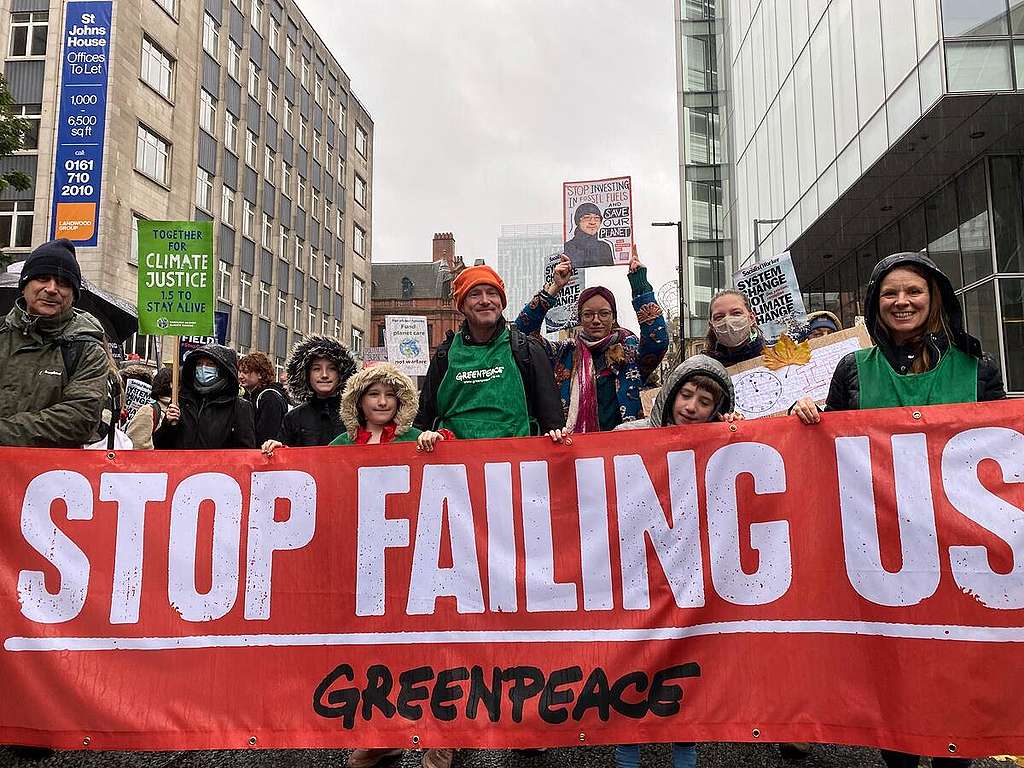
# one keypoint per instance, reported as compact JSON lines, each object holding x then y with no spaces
{"x":786,"y":352}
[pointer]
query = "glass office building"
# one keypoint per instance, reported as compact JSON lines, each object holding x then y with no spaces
{"x":858,"y":128}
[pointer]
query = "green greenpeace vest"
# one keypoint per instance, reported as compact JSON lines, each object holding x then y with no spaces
{"x":953,"y":380}
{"x":482,"y":392}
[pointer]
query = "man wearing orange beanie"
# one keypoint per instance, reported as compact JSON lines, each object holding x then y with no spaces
{"x":489,"y":379}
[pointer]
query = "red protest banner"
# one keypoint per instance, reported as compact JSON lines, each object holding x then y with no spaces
{"x":860,"y":581}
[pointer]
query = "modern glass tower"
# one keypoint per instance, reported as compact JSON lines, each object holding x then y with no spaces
{"x":859,"y":128}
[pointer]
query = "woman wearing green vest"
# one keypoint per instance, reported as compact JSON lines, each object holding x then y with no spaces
{"x":922,"y":356}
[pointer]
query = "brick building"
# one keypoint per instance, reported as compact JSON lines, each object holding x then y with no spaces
{"x":418,"y":288}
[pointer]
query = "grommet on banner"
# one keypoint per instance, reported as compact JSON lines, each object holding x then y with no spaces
{"x":111,"y":455}
{"x":583,"y":737}
{"x":86,"y":741}
{"x":733,"y":428}
{"x":252,"y":741}
{"x":917,"y":414}
{"x":415,"y":740}
{"x":952,"y":749}
{"x":756,"y":733}
{"x":566,"y":441}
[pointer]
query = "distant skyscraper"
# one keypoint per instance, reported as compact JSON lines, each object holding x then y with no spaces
{"x":522,"y":251}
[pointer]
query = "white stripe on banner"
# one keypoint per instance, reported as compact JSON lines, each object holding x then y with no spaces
{"x":868,"y":628}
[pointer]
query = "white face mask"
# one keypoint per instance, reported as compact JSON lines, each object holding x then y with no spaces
{"x":732,"y":330}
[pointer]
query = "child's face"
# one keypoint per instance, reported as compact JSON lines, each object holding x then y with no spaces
{"x":379,"y":405}
{"x":692,"y":405}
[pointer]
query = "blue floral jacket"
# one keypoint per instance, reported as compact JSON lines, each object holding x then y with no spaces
{"x":641,"y":355}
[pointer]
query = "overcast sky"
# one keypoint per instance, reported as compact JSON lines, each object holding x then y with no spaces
{"x":483,"y":108}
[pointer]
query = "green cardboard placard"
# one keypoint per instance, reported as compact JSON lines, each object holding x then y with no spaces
{"x":176,"y":274}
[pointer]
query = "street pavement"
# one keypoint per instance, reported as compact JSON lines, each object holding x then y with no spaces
{"x":709,"y":756}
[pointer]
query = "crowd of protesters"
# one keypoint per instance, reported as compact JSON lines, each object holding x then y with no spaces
{"x":492,"y":378}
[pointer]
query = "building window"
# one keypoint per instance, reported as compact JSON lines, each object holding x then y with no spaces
{"x":271,"y":98}
{"x":358,"y":291}
{"x":329,"y":160}
{"x":207,"y":112}
{"x":286,"y":179}
{"x":300,"y":198}
{"x":318,"y":88}
{"x":316,"y":146}
{"x":167,"y":5}
{"x":305,"y":73}
{"x":312,"y":262}
{"x":230,"y":132}
{"x":157,"y":68}
{"x":311,"y":321}
{"x":341,"y":170}
{"x":234,"y":60}
{"x":337,"y":329}
{"x":327,"y":209}
{"x":252,"y":149}
{"x":289,"y":115}
{"x":360,"y":190}
{"x":264,"y":299}
{"x":314,"y":203}
{"x":28,"y":33}
{"x":303,"y":131}
{"x":268,"y":163}
{"x":297,"y":315}
{"x":325,"y":277}
{"x":245,"y":291}
{"x":211,"y":36}
{"x":282,"y":308}
{"x":339,"y":225}
{"x":256,"y":14}
{"x":330,"y":103}
{"x":151,"y":153}
{"x":248,"y":219}
{"x":289,"y":54}
{"x":342,"y":117}
{"x":357,"y":341}
{"x":30,"y":113}
{"x":133,"y":253}
{"x":267,"y":240}
{"x":325,"y":325}
{"x":339,"y":276}
{"x":16,"y":224}
{"x":274,"y":36}
{"x":358,"y":240}
{"x":282,"y":242}
{"x":300,"y":246}
{"x":227,"y":205}
{"x":223,"y":280}
{"x":204,"y":189}
{"x":254,"y":80}
{"x":362,"y":143}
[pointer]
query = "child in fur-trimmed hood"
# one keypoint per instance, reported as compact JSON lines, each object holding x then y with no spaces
{"x":378,"y":406}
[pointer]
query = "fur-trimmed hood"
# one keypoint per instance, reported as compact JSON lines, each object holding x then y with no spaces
{"x":382,"y":373}
{"x":301,"y":358}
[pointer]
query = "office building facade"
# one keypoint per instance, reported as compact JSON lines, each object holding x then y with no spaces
{"x":852,"y":129}
{"x":522,"y":252}
{"x":227,"y":110}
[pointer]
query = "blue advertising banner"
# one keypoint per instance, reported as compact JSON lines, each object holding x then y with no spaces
{"x":78,"y":165}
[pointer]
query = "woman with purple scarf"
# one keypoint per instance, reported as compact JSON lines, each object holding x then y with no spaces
{"x":600,"y":372}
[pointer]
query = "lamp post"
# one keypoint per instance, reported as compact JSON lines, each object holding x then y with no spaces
{"x":757,"y":236}
{"x":680,"y":276}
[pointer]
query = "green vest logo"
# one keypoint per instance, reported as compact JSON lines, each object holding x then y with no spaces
{"x":481,"y":375}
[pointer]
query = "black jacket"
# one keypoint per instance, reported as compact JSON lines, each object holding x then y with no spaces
{"x":729,"y":356}
{"x":586,"y":250}
{"x":542,"y":400}
{"x":315,"y":422}
{"x":215,"y":420}
{"x":844,"y":392}
{"x":270,"y":404}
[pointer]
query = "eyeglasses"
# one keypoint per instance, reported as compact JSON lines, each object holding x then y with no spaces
{"x":604,"y":314}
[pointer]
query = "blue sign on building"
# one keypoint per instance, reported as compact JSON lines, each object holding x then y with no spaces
{"x":81,"y":125}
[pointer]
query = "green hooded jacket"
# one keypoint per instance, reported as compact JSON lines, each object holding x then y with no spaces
{"x":40,"y":406}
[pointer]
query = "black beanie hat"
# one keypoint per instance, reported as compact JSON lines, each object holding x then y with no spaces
{"x":583,"y":210}
{"x":56,"y":258}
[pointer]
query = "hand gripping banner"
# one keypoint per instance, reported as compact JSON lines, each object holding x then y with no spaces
{"x":860,"y":581}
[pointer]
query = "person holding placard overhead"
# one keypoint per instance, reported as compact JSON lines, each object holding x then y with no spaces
{"x":922,"y":356}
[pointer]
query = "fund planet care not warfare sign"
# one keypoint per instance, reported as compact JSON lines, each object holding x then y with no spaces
{"x":407,"y":343}
{"x":563,"y":314}
{"x":774,"y":294}
{"x":176,"y":278}
{"x":597,"y":221}
{"x":81,"y":124}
